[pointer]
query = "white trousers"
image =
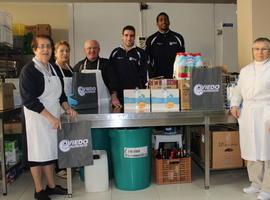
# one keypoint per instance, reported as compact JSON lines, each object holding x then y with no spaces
{"x":259,"y":174}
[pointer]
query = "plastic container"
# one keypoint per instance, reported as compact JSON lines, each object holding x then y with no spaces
{"x":131,"y":154}
{"x":96,"y":177}
{"x":101,"y":141}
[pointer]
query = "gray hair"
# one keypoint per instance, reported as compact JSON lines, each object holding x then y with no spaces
{"x":262,"y":39}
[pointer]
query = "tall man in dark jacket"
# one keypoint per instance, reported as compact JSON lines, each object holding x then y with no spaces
{"x":162,"y":47}
{"x":128,"y":63}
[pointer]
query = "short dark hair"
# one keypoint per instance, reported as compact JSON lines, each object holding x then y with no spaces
{"x":34,"y":43}
{"x":129,"y":28}
{"x":164,"y":14}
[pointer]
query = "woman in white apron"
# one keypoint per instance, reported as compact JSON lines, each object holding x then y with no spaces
{"x":253,"y":92}
{"x":63,"y":69}
{"x":65,"y":72}
{"x":42,"y":95}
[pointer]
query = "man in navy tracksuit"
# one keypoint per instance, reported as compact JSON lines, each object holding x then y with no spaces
{"x":129,"y":64}
{"x":162,"y":47}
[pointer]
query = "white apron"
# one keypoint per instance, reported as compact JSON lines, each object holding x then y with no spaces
{"x":67,"y":80}
{"x":104,"y":96}
{"x":254,"y":120}
{"x":41,"y":137}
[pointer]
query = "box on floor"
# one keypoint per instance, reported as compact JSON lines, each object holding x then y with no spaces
{"x":225,"y":148}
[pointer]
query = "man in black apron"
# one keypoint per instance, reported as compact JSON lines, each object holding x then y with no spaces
{"x":101,"y":67}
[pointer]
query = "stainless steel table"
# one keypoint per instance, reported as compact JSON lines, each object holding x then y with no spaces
{"x":122,"y":120}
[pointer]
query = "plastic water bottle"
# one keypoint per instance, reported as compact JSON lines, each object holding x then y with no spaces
{"x":198,"y":60}
{"x":189,"y":65}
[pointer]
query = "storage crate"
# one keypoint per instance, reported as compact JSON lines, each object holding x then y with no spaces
{"x":168,"y":171}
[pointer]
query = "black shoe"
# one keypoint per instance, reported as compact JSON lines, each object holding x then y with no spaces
{"x":42,"y":195}
{"x":58,"y":190}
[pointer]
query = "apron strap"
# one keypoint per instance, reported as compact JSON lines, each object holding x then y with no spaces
{"x":85,"y":62}
{"x":61,"y":70}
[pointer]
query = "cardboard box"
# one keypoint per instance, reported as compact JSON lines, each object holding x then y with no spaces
{"x":226,"y":150}
{"x":6,"y":19}
{"x":43,"y":29}
{"x":163,"y":83}
{"x":31,"y":29}
{"x":165,"y":100}
{"x":6,"y":96}
{"x":12,"y":127}
{"x":137,"y":100}
{"x":184,"y":87}
{"x":6,"y":36}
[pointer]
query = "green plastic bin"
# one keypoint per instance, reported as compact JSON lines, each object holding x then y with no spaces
{"x":131,"y":156}
{"x":101,"y":141}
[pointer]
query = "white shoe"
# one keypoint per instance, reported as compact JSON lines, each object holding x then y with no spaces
{"x":264,"y":196}
{"x":251,"y":190}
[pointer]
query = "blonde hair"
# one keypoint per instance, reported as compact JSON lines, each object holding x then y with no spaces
{"x":61,"y":42}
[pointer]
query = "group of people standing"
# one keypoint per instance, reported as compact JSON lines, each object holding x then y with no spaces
{"x":129,"y":66}
{"x":46,"y":84}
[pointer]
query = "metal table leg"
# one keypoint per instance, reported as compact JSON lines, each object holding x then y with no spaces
{"x":188,"y":138}
{"x":207,"y":156}
{"x":2,"y":153}
{"x":69,"y":182}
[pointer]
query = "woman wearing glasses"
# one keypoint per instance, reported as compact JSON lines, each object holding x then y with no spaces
{"x":42,"y":95}
{"x":253,"y":94}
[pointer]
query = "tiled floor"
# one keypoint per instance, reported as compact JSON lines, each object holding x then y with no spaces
{"x":225,"y":185}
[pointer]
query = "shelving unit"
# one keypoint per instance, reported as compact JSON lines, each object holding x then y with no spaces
{"x":4,"y":115}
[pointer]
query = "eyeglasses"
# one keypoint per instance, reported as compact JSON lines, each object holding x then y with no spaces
{"x":262,"y":49}
{"x":44,"y":46}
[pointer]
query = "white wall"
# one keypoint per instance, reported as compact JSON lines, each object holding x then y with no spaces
{"x":226,"y":43}
{"x":55,"y":14}
{"x":194,"y":21}
{"x":104,"y":22}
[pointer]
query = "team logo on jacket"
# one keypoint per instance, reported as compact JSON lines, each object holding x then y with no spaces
{"x":172,"y":43}
{"x":66,"y":145}
{"x":86,"y":90}
{"x":119,"y":58}
{"x":132,"y":59}
{"x":200,"y":89}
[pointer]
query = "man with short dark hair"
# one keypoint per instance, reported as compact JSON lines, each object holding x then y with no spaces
{"x":162,"y":47}
{"x":128,"y":63}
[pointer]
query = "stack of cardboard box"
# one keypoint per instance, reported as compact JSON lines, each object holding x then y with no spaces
{"x":165,"y":95}
{"x":39,"y":29}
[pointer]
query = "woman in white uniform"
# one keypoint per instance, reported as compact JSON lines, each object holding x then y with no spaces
{"x":251,"y":105}
{"x":42,"y":95}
